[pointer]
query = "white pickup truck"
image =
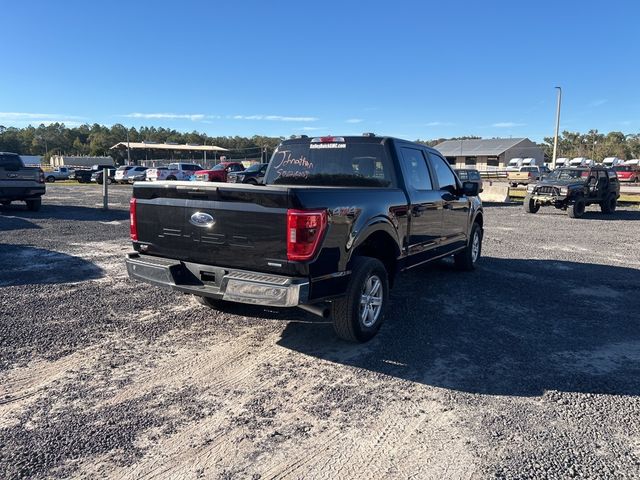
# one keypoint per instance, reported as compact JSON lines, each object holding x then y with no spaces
{"x":60,"y":173}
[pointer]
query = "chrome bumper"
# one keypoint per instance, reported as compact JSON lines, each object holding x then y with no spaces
{"x":218,"y":282}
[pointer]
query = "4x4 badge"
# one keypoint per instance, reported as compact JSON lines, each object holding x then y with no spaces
{"x":201,"y":219}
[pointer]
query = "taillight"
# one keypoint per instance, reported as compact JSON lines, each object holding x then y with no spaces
{"x":41,"y":177}
{"x":133,"y":230}
{"x":304,"y":233}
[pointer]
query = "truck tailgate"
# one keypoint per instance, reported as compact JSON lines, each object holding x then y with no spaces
{"x":234,"y":226}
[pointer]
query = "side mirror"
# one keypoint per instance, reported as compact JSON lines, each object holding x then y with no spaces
{"x":470,"y":189}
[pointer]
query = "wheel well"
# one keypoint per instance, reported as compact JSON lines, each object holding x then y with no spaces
{"x":479,"y":220}
{"x":380,"y":245}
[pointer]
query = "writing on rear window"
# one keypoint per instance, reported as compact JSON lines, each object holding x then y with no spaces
{"x":328,"y":145}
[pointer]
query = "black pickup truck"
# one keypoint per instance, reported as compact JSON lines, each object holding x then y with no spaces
{"x":335,"y":221}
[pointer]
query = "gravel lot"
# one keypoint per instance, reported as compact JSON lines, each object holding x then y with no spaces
{"x":527,"y":368}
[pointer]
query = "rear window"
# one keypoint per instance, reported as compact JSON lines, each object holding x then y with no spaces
{"x":348,"y":164}
{"x":10,"y":162}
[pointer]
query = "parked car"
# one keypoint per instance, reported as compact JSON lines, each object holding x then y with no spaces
{"x":573,"y":189}
{"x":18,"y":182}
{"x":219,"y":172}
{"x":84,"y":176}
{"x":254,"y":174}
{"x":59,"y":173}
{"x":328,"y":232}
{"x":135,"y":174}
{"x":121,"y":173}
{"x":628,"y":173}
{"x":97,"y":176}
{"x":173,"y":171}
{"x":470,"y":175}
{"x":527,"y":175}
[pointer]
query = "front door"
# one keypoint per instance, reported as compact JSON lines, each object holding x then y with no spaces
{"x":455,"y":216}
{"x":425,"y":206}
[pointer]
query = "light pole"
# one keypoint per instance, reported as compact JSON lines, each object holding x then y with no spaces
{"x":128,"y":150}
{"x":555,"y":138}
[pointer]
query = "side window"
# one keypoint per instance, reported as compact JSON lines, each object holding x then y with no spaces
{"x":415,"y":167}
{"x":446,"y":178}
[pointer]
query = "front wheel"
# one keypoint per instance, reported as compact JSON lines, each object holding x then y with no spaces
{"x":576,"y":209}
{"x":171,"y":178}
{"x":51,"y":179}
{"x":530,"y":205}
{"x":466,"y":259}
{"x":358,"y":315}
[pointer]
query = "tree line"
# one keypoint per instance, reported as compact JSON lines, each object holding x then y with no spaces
{"x":96,"y":140}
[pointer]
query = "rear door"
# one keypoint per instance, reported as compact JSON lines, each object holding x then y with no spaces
{"x":425,"y":204}
{"x":455,"y":216}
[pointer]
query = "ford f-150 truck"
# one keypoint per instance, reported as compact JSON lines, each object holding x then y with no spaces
{"x":334,"y":223}
{"x":18,"y":182}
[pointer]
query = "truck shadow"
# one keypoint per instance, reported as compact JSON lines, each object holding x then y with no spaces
{"x":512,"y":327}
{"x":25,"y":265}
{"x":62,"y":212}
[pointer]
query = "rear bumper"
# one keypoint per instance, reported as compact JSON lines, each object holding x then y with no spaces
{"x":218,"y":282}
{"x":21,"y":193}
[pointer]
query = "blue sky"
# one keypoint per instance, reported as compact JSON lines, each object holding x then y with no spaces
{"x":408,"y":69}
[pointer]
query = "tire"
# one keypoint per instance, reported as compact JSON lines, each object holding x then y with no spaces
{"x":171,"y":178}
{"x":576,"y":210}
{"x":251,"y":181}
{"x":466,"y":259}
{"x":212,"y":303}
{"x":109,"y":181}
{"x":350,"y":322}
{"x":51,"y":179}
{"x":34,"y":205}
{"x":530,"y":205}
{"x":609,"y":205}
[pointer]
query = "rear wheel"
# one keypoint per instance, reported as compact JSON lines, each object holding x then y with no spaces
{"x":171,"y":177}
{"x":34,"y":205}
{"x":251,"y":181}
{"x":51,"y":179}
{"x":609,"y":204}
{"x":530,"y":205}
{"x":467,"y":258}
{"x":576,"y":210}
{"x":358,"y":315}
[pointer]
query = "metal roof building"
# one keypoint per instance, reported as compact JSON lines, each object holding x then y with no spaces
{"x":168,"y":146}
{"x":488,"y":153}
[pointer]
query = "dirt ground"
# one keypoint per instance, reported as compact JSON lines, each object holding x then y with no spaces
{"x":528,"y":367}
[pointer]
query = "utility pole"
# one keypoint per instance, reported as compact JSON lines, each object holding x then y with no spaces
{"x":555,"y":138}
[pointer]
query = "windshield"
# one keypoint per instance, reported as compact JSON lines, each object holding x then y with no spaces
{"x":357,"y":164}
{"x":568,"y":174}
{"x":218,"y":167}
{"x":621,"y":168}
{"x":254,"y":168}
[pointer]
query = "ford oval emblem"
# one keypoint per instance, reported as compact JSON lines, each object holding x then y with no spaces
{"x":201,"y":219}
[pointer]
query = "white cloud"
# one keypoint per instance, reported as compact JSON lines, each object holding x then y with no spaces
{"x":597,"y":103}
{"x":507,"y":124}
{"x":355,"y":120}
{"x":438,"y":124}
{"x":26,"y":118}
{"x":312,"y":129}
{"x":194,"y":117}
{"x":276,"y":118}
